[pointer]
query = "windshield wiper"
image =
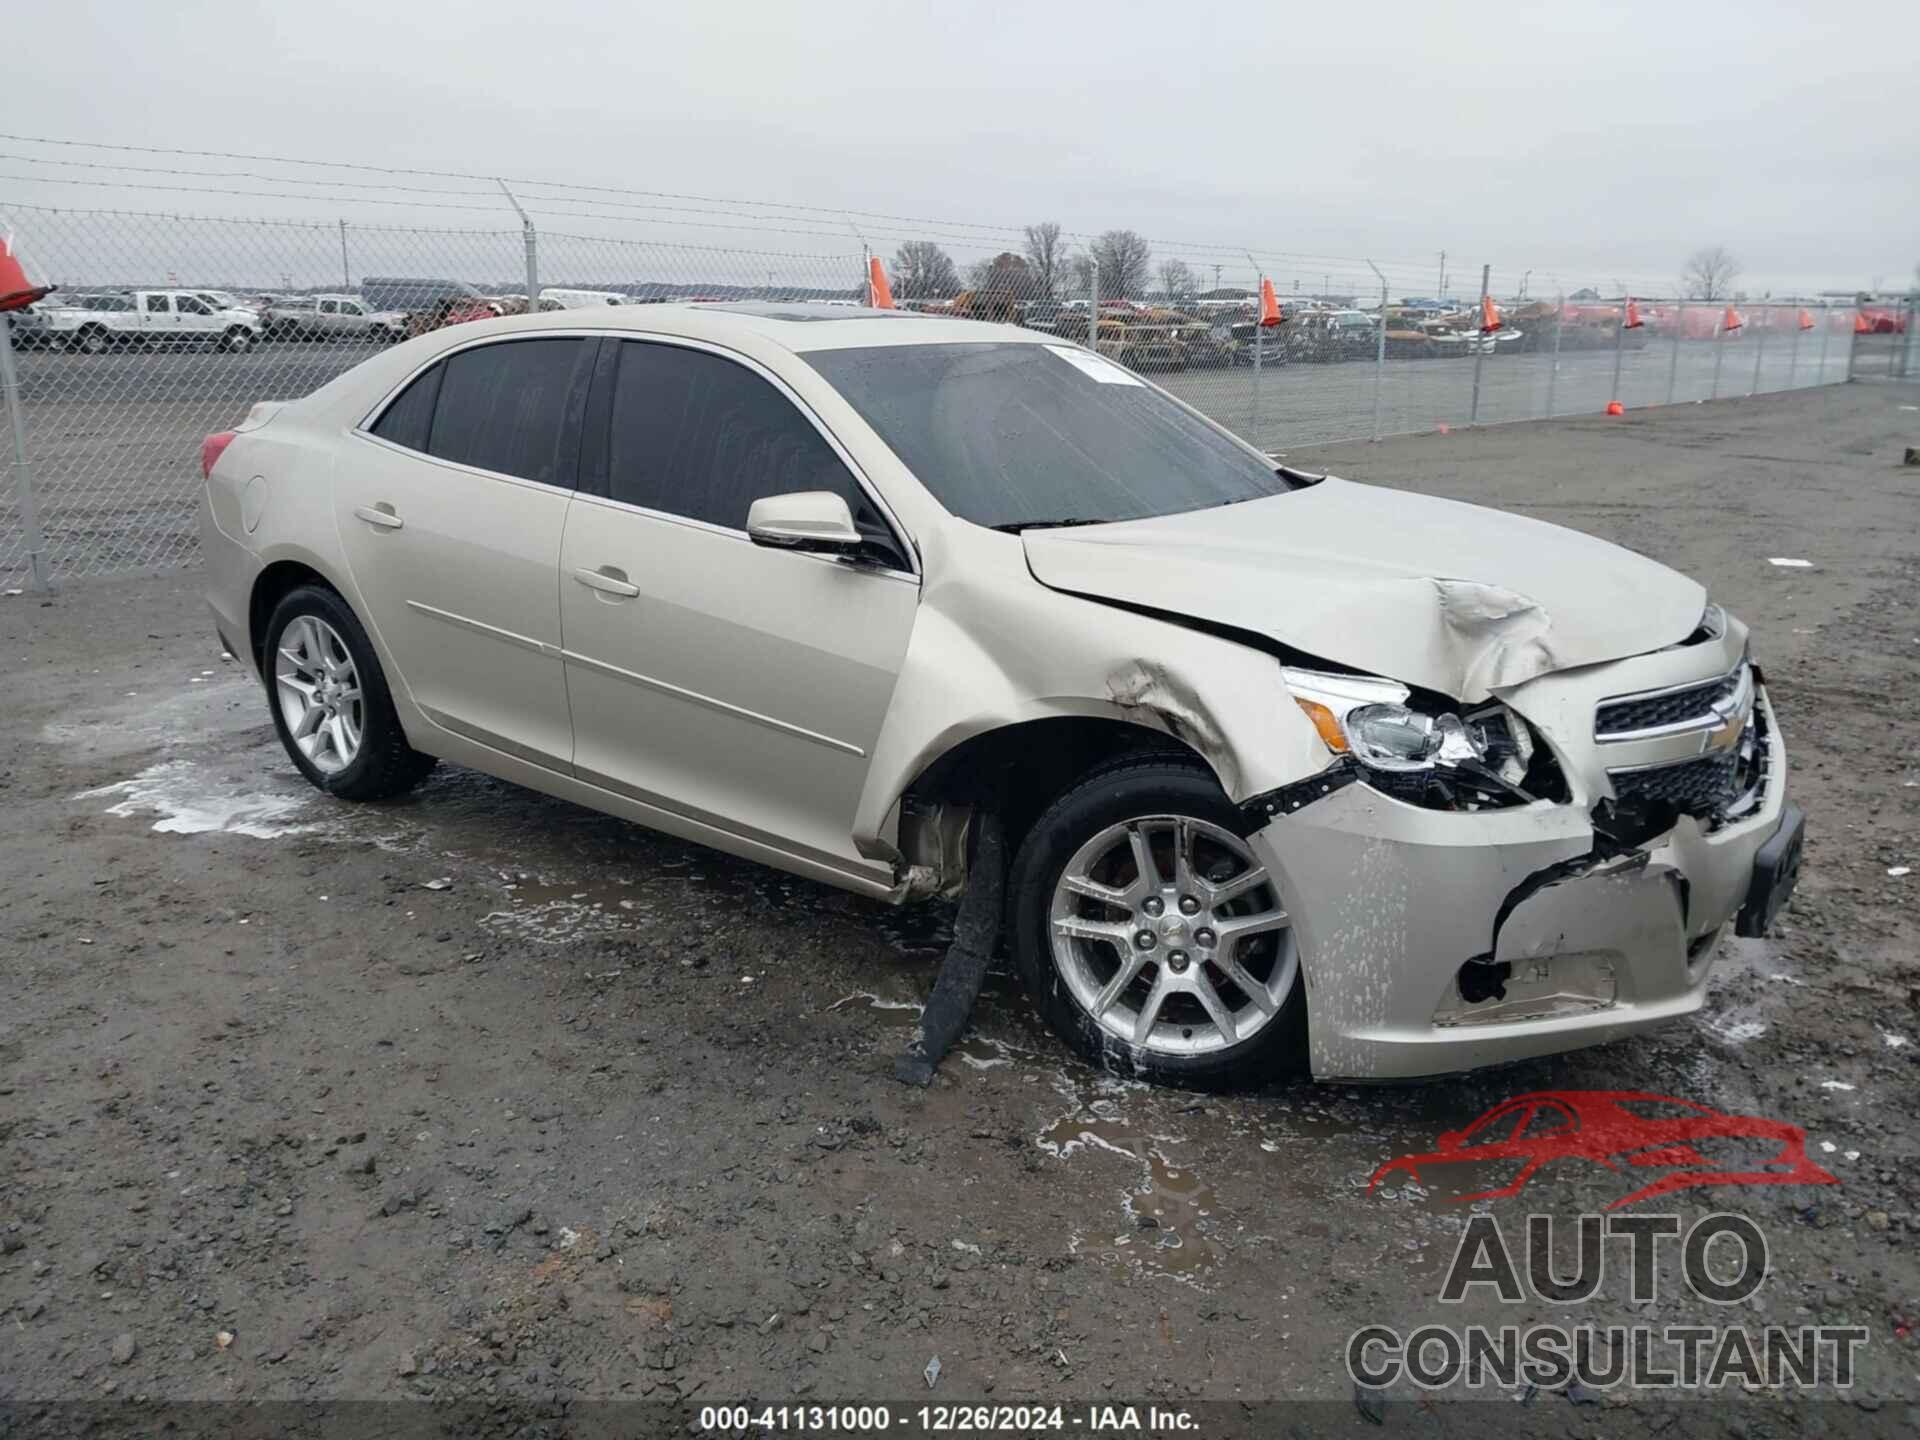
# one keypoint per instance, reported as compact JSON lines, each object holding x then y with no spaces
{"x":1014,"y":527}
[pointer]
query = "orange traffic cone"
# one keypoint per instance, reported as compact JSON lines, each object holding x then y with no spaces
{"x":1806,"y":320}
{"x":1733,"y":320}
{"x":1269,"y":306}
{"x":16,"y":291}
{"x":1489,"y":314}
{"x":1862,"y":325}
{"x":879,"y":293}
{"x":1614,"y":407}
{"x":1633,"y":321}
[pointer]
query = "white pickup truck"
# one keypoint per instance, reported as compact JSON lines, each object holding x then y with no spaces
{"x":97,"y":323}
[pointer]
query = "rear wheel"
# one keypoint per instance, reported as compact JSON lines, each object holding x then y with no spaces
{"x":91,"y":341}
{"x":1150,"y":934}
{"x":237,"y":339}
{"x":331,"y":706}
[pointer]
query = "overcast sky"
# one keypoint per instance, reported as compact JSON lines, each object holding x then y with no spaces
{"x":1588,"y":143}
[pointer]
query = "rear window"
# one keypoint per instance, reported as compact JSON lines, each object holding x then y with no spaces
{"x":502,"y":407}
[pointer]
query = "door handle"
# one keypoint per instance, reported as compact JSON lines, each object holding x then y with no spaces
{"x":380,"y":515}
{"x":608,"y":581}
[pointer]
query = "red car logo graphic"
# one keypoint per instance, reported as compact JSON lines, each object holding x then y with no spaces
{"x":1622,"y":1130}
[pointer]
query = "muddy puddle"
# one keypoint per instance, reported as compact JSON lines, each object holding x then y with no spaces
{"x":897,"y":1019}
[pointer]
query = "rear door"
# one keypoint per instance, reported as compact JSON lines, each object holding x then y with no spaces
{"x":734,"y":684}
{"x":450,"y":506}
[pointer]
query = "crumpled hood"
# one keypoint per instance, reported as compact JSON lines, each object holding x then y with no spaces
{"x":1430,"y":592}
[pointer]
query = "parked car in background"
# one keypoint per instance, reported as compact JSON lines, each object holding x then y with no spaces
{"x":558,"y":299}
{"x":95,"y":324}
{"x":334,"y":317}
{"x":1290,"y":770}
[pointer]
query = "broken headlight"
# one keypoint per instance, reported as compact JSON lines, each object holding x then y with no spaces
{"x":1426,"y":753}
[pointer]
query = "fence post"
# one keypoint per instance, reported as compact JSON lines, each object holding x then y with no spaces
{"x":1479,"y":352}
{"x":1719,"y":351}
{"x":22,"y":475}
{"x":1619,"y":338}
{"x":533,"y":250}
{"x":1559,"y":324}
{"x":1826,"y":337}
{"x":1793,"y":352}
{"x":1906,"y":350}
{"x":1760,"y":351}
{"x":1093,"y":306}
{"x":1853,"y":339}
{"x":1259,"y":344}
{"x":1673,"y":363}
{"x":346,"y":270}
{"x":1379,"y":350}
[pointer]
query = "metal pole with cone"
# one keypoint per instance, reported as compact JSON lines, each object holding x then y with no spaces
{"x":16,"y":293}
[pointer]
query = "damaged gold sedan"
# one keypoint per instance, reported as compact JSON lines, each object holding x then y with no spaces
{"x":1251,"y":768}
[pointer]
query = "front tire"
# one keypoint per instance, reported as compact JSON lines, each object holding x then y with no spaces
{"x":330,"y":702}
{"x":1149,"y":934}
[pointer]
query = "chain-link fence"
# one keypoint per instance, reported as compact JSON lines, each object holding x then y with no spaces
{"x":168,"y":327}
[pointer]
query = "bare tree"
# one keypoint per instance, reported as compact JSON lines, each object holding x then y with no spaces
{"x":1046,"y":256}
{"x":922,"y":270}
{"x":1709,"y":273}
{"x":1079,"y":273}
{"x":1176,"y":279}
{"x":1123,"y":257}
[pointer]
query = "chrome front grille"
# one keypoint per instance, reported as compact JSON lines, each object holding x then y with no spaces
{"x":1693,"y":787}
{"x":1698,"y":705}
{"x":1719,"y":787}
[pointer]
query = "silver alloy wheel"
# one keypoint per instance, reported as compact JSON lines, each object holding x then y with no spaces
{"x":1171,"y":935}
{"x":319,"y":693}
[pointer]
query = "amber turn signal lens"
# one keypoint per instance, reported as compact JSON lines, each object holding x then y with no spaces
{"x":1324,"y":722}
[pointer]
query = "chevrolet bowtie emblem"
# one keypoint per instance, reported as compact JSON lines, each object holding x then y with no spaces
{"x":1734,"y":712}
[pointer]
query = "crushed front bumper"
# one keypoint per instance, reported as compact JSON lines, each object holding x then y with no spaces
{"x":1390,"y":901}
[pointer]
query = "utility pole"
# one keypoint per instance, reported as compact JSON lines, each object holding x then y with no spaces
{"x":1443,"y":276}
{"x":346,"y":272}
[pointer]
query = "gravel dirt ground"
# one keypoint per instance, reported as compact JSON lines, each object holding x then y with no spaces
{"x":481,"y":1096}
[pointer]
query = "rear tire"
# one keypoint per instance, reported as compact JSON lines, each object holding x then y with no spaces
{"x":237,"y":340}
{"x":91,"y":341}
{"x":1201,"y":948}
{"x":330,"y":702}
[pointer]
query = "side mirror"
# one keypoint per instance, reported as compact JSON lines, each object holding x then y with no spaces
{"x":804,"y":520}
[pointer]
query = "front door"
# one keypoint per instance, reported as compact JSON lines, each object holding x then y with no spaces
{"x":739,"y":686}
{"x":158,"y":324}
{"x":451,"y":507}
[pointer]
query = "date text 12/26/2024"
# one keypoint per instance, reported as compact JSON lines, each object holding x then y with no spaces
{"x":946,"y":1419}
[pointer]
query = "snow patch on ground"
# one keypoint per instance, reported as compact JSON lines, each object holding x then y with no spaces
{"x":189,"y":801}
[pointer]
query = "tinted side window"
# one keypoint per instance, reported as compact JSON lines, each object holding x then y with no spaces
{"x":504,"y":407}
{"x":696,"y":435}
{"x":408,"y":420}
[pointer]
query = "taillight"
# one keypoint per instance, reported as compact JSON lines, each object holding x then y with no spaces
{"x":211,"y":448}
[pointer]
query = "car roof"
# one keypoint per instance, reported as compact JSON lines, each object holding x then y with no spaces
{"x":798,"y":327}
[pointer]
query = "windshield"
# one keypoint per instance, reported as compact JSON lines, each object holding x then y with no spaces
{"x":1007,"y":435}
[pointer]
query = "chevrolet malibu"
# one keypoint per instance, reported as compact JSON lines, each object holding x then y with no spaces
{"x":1292,"y":771}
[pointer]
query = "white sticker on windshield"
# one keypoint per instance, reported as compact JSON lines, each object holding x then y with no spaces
{"x":1098,"y":366}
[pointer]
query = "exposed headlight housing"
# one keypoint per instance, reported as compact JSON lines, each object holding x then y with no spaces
{"x":1403,"y":746}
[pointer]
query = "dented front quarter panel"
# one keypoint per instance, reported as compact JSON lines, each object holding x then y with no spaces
{"x":991,"y":648}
